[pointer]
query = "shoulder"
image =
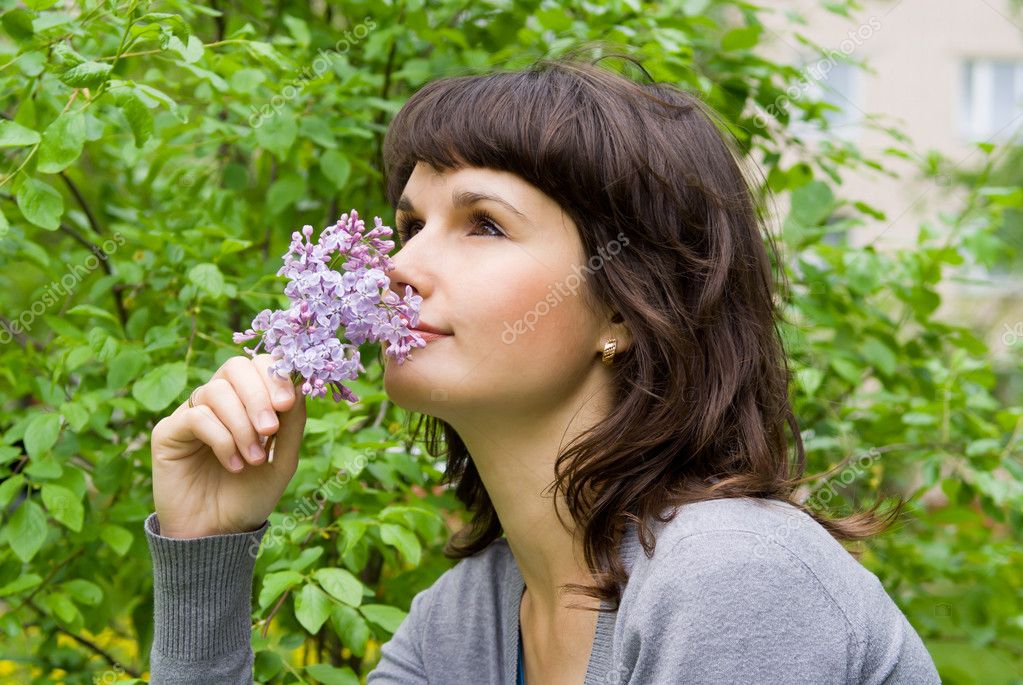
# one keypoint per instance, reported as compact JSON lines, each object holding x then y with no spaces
{"x":743,"y":545}
{"x":761,"y":583}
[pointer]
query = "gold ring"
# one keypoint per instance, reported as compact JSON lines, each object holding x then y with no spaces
{"x":191,"y":398}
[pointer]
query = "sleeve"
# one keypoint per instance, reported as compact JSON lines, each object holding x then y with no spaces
{"x":723,"y":609}
{"x":401,"y":657}
{"x":202,"y":606}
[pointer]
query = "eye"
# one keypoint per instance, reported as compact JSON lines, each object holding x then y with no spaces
{"x":479,"y":218}
{"x":404,"y":227}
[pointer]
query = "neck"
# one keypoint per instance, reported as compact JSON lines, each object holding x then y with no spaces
{"x":515,"y":457}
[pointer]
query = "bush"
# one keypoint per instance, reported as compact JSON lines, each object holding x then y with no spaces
{"x":157,"y":156}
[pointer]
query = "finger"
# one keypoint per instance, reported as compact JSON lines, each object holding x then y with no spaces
{"x":221,"y":396}
{"x":248,"y":385}
{"x":204,"y":424}
{"x":280,"y":388}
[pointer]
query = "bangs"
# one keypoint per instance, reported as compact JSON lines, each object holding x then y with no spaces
{"x":545,"y":124}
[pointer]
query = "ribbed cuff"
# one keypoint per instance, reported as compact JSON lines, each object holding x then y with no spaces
{"x":202,"y":592}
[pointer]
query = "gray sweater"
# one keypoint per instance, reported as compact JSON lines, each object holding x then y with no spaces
{"x":737,"y":591}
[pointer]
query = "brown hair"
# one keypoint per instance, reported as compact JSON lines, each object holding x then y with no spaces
{"x":701,"y":396}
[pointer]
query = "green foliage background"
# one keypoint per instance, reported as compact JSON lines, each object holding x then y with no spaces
{"x":154,"y":159}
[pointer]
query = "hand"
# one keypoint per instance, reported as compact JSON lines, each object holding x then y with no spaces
{"x":210,"y":472}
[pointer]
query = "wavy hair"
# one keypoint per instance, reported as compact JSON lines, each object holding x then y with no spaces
{"x":701,"y":397}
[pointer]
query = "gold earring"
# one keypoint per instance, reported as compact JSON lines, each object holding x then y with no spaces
{"x":609,"y":351}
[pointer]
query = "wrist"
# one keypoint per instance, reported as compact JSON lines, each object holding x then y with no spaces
{"x":191,"y":531}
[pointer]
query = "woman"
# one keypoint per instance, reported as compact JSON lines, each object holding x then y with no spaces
{"x":592,"y":261}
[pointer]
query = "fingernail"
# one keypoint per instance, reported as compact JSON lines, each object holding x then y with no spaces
{"x":267,"y":420}
{"x":255,"y":453}
{"x":281,"y":396}
{"x":236,"y":462}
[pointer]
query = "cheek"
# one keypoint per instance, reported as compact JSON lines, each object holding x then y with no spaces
{"x":538,"y":318}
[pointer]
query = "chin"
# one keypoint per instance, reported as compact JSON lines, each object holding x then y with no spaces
{"x":411,"y":390}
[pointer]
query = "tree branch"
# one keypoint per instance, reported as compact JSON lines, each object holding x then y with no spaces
{"x":134,"y":673}
{"x":81,"y":203}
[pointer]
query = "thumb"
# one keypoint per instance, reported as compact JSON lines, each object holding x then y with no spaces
{"x":283,"y":453}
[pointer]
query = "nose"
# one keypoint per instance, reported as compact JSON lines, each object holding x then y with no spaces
{"x":404,"y":274}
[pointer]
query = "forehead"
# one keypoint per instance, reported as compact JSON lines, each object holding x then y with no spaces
{"x":425,"y":175}
{"x":432,"y":188}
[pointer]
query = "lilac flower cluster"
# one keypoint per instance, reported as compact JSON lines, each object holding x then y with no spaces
{"x":305,"y":338}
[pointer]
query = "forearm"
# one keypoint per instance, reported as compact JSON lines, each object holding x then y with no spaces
{"x":202,"y":607}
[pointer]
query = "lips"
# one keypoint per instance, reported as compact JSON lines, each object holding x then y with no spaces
{"x":424,"y":327}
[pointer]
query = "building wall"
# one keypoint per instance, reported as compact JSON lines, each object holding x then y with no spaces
{"x":915,"y":51}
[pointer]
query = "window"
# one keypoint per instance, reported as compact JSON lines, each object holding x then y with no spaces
{"x":991,"y":98}
{"x":839,"y":84}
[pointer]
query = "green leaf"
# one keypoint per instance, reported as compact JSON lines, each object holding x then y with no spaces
{"x":7,"y":454}
{"x":919,"y":418}
{"x":284,"y":192}
{"x":232,"y":245}
{"x":83,"y":591}
{"x":18,"y":23}
{"x":318,"y":131}
{"x":403,"y":539}
{"x":118,"y":538}
{"x":41,"y":433}
{"x":208,"y":278}
{"x":159,"y":387}
{"x":298,"y":29}
{"x":26,"y":530}
{"x":812,"y":203}
{"x":140,"y":119}
{"x":10,"y":487}
{"x":879,"y":355}
{"x":62,"y":142}
{"x":61,"y":606}
{"x":125,"y":367}
{"x":741,"y":39}
{"x":332,"y":675}
{"x":93,"y":310}
{"x":67,"y":55}
{"x":809,"y":380}
{"x":341,"y":584}
{"x":308,"y":557}
{"x":351,"y":627}
{"x":846,"y":369}
{"x":191,"y":51}
{"x":86,"y":74}
{"x":20,"y":584}
{"x":13,"y":134}
{"x":385,"y":616}
{"x":274,"y":584}
{"x":40,"y":203}
{"x":312,"y":607}
{"x":554,"y":18}
{"x":75,"y":414}
{"x":246,"y":81}
{"x":265,"y":52}
{"x":277,"y":134}
{"x":64,"y":505}
{"x":336,"y":167}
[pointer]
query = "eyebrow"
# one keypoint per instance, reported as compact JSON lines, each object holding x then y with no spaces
{"x":464,"y":198}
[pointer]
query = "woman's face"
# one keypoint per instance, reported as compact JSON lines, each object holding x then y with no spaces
{"x":508,"y":289}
